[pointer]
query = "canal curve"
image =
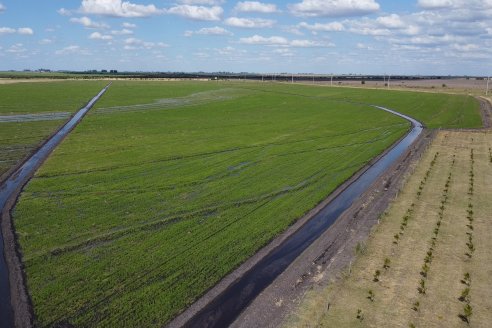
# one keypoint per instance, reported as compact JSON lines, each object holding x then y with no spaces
{"x":12,"y":186}
{"x":226,"y":307}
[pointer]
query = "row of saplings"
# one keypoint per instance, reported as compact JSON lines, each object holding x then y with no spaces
{"x":466,"y":281}
{"x":397,"y":237}
{"x":422,"y":289}
{"x":465,"y":293}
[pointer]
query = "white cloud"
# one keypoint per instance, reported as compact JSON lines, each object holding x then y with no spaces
{"x":118,"y":8}
{"x":309,"y":44}
{"x":197,"y":12}
{"x":128,"y":25}
{"x":429,"y":40}
{"x":202,"y":2}
{"x":255,"y":7}
{"x":284,"y":52}
{"x":465,"y":47}
{"x":73,"y":49}
{"x":366,"y":30}
{"x":64,"y":12}
{"x":364,"y":46}
{"x":249,"y":22}
{"x":25,"y":31}
{"x":334,"y":8}
{"x":210,"y":31}
{"x":390,"y":25}
{"x":283,"y":42}
{"x":455,"y":4}
{"x":21,"y":30}
{"x":88,"y":23}
{"x":100,"y":36}
{"x":435,"y":4}
{"x":134,"y":43}
{"x":122,"y":32}
{"x":2,"y":8}
{"x":45,"y":41}
{"x":228,"y":51}
{"x":327,"y":27}
{"x":16,"y":48}
{"x":258,"y":39}
{"x":391,"y":21}
{"x":7,"y":30}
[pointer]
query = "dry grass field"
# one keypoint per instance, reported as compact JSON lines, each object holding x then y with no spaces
{"x":471,"y":86}
{"x":429,"y":261}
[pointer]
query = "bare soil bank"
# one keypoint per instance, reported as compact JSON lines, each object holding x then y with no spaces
{"x":462,"y":85}
{"x":486,"y":112}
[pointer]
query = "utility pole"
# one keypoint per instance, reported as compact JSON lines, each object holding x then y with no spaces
{"x":487,"y":90}
{"x":389,"y":77}
{"x":262,"y":78}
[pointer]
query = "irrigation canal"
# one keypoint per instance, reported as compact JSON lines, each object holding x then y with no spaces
{"x":226,"y":307}
{"x":223,"y":310}
{"x":13,"y":185}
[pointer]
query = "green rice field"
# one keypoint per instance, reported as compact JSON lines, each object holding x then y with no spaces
{"x":165,"y":187}
{"x":30,"y":112}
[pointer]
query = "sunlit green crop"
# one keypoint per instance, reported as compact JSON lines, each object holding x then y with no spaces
{"x":144,"y":207}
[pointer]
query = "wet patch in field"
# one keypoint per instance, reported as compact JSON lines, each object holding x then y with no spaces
{"x":34,"y":117}
{"x":167,"y":103}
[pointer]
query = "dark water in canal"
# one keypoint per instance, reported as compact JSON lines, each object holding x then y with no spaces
{"x":224,"y":309}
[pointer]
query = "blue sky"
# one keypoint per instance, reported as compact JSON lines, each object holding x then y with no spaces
{"x":300,"y":36}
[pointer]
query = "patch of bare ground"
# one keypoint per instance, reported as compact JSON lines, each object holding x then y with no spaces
{"x":473,"y":86}
{"x":429,"y":261}
{"x":328,"y":256}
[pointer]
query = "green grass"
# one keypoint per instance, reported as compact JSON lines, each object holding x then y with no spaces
{"x":433,"y":109}
{"x":18,"y":139}
{"x":49,"y":97}
{"x":140,"y":211}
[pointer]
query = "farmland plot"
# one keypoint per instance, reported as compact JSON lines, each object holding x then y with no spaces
{"x":166,"y":187}
{"x":30,"y":112}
